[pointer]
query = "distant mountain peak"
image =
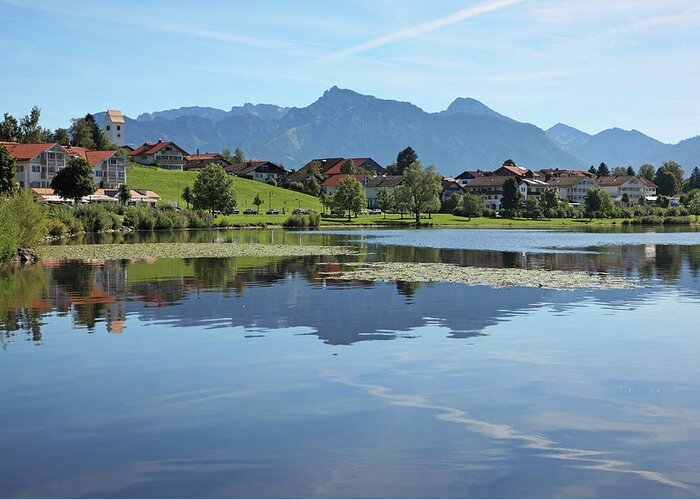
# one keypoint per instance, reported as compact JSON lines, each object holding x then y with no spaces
{"x":472,"y":107}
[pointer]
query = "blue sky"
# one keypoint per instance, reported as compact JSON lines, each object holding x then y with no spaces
{"x":591,"y":64}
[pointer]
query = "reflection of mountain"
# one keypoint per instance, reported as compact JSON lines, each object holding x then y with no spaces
{"x":301,"y":292}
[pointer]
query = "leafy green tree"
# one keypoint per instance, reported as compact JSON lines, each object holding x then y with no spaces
{"x":9,"y":128}
{"x":512,"y":197}
{"x":347,"y":167}
{"x":188,"y":196}
{"x":383,"y":200}
{"x":213,"y":190}
{"x":239,"y":157}
{"x":630,"y":171}
{"x":532,"y":208}
{"x":694,"y":205}
{"x":81,"y":134}
{"x":420,"y":192}
{"x":549,"y":201}
{"x":325,"y":200}
{"x":227,"y":156}
{"x":472,"y":205}
{"x":451,"y":203}
{"x":30,"y":131}
{"x":603,"y":170}
{"x":509,"y":163}
{"x":61,"y":136}
{"x":693,"y":181}
{"x":625,"y":200}
{"x":647,"y":171}
{"x":593,"y":170}
{"x":124,"y":194}
{"x":619,"y":171}
{"x":8,"y":171}
{"x":399,"y":200}
{"x":311,"y":186}
{"x":669,"y":179}
{"x":257,"y":201}
{"x":405,"y":159}
{"x":74,"y":181}
{"x":597,"y":203}
{"x":349,"y":196}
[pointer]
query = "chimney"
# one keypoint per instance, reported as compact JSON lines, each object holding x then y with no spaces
{"x":159,"y":141}
{"x":197,"y":151}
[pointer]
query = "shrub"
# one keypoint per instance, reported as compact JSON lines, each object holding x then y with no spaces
{"x":677,"y":221}
{"x":22,"y":223}
{"x":94,"y":217}
{"x":272,"y":182}
{"x":302,"y":220}
{"x":56,"y":227}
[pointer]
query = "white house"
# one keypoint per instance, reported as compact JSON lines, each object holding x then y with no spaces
{"x":108,"y":167}
{"x":114,"y":126}
{"x":37,"y":164}
{"x":163,"y":154}
{"x":372,"y":186}
{"x":573,"y":188}
{"x":635,"y":187}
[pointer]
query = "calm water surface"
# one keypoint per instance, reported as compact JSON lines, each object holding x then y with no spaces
{"x":252,"y":377}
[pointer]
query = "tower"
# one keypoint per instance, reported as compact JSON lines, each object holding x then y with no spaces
{"x":114,"y":126}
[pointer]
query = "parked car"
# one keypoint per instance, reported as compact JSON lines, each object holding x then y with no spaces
{"x":272,"y":211}
{"x":250,"y":211}
{"x":298,"y":211}
{"x":235,"y":211}
{"x":375,"y":211}
{"x":338,"y":213}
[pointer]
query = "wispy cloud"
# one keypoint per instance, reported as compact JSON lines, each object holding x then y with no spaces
{"x":423,"y":28}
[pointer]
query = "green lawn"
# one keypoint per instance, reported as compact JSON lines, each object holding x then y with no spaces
{"x":453,"y":220}
{"x":170,"y":183}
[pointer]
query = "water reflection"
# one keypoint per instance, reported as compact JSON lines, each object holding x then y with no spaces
{"x":273,"y":292}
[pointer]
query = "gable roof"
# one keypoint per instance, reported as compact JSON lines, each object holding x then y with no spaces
{"x":252,"y":165}
{"x":150,"y":148}
{"x":115,"y":116}
{"x":27,"y":151}
{"x":569,"y":181}
{"x":488,"y":181}
{"x":333,"y":180}
{"x":92,"y":157}
{"x":472,"y":174}
{"x":614,"y":180}
{"x":519,"y":171}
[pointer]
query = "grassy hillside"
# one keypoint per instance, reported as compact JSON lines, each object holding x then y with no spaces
{"x":170,"y":183}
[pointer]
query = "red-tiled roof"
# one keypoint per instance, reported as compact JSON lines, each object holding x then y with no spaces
{"x":514,"y":170}
{"x":333,"y":180}
{"x":149,"y":148}
{"x":614,"y":180}
{"x":26,"y":151}
{"x":92,"y":157}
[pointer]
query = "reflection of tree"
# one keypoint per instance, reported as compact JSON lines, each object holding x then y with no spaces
{"x":21,"y":307}
{"x":407,"y":289}
{"x":74,"y":276}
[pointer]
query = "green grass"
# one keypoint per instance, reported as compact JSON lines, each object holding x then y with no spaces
{"x":169,"y":184}
{"x":453,"y":220}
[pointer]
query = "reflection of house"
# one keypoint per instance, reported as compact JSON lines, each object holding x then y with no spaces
{"x":374,"y":184}
{"x":619,"y":185}
{"x":258,"y":170}
{"x":201,"y":161}
{"x":162,"y":154}
{"x":573,"y":188}
{"x":109,"y":167}
{"x":37,"y":164}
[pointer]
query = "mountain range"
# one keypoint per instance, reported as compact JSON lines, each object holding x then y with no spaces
{"x":467,"y":135}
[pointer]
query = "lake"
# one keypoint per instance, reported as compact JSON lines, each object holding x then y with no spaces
{"x":273,"y":377}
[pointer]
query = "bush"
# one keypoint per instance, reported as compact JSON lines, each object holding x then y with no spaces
{"x":56,"y":227}
{"x":95,"y":218}
{"x":296,"y":186}
{"x":272,"y":182}
{"x":648,"y":220}
{"x":302,"y":220}
{"x":22,"y":223}
{"x":677,"y":221}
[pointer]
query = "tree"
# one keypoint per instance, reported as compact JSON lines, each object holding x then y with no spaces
{"x":239,"y":157}
{"x":383,"y":200}
{"x":512,"y":197}
{"x":311,"y":186}
{"x":509,"y":163}
{"x":124,"y":194}
{"x":9,"y":128}
{"x":668,"y":179}
{"x":98,"y":136}
{"x":619,"y":171}
{"x":349,"y":196}
{"x":451,"y":203}
{"x":625,"y":199}
{"x":472,"y":205}
{"x":693,"y":181}
{"x":213,"y":190}
{"x":188,"y":196}
{"x":694,"y":205}
{"x":30,"y":131}
{"x":549,"y":200}
{"x":597,"y":203}
{"x":647,"y":171}
{"x":257,"y":201}
{"x":61,"y":136}
{"x":532,"y":208}
{"x":8,"y":171}
{"x":630,"y":171}
{"x":227,"y":156}
{"x":593,"y":170}
{"x":404,"y":159}
{"x":420,"y":192}
{"x":74,"y":181}
{"x":603,"y":170}
{"x":81,"y":134}
{"x":347,"y":167}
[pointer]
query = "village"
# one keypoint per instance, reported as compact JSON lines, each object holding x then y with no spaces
{"x":38,"y":163}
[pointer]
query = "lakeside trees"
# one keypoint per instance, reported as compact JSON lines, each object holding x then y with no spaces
{"x":420,"y":192}
{"x":597,"y":203}
{"x":512,"y":197}
{"x":74,"y":181}
{"x":8,"y":168}
{"x":349,"y":196}
{"x":213,"y":190}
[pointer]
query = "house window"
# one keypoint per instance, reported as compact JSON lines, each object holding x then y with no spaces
{"x":36,"y":168}
{"x":20,"y":168}
{"x":119,"y":127}
{"x":98,"y":173}
{"x":108,"y":128}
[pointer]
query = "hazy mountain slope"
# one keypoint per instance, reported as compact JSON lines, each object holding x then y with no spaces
{"x":686,"y":152}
